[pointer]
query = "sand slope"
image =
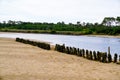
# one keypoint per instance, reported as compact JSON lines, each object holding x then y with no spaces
{"x":20,"y":61}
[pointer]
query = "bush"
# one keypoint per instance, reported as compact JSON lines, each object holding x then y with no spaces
{"x":53,"y":32}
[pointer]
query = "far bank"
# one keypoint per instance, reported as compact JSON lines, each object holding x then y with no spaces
{"x":76,"y":33}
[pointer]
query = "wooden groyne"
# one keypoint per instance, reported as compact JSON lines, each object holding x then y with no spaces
{"x":34,"y":43}
{"x":88,"y":54}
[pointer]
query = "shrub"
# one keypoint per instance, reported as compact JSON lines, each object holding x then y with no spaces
{"x":53,"y":32}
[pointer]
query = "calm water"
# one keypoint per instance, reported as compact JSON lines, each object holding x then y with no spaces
{"x":90,"y":43}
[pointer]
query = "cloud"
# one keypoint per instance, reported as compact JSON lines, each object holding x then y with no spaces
{"x":59,"y":10}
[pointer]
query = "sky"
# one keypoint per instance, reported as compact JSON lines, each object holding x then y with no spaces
{"x":69,"y":11}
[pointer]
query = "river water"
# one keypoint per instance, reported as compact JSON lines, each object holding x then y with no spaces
{"x":82,"y":42}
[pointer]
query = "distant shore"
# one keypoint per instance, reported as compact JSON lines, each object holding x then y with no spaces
{"x":105,"y":36}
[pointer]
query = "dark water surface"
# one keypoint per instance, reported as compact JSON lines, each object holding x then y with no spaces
{"x":85,"y":42}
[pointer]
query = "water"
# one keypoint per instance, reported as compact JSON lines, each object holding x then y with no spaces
{"x":82,"y":42}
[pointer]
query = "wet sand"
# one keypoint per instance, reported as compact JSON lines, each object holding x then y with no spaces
{"x":105,"y":36}
{"x":20,"y":61}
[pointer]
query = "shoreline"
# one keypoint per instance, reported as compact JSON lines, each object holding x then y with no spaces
{"x":89,"y":35}
{"x":104,"y":36}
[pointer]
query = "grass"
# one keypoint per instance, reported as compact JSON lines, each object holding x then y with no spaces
{"x":83,"y":32}
{"x":47,"y":31}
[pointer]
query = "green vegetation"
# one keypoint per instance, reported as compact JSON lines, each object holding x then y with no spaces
{"x":106,"y":27}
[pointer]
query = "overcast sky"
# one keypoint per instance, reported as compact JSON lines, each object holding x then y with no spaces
{"x":59,"y":10}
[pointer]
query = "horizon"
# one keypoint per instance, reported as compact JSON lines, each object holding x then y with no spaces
{"x":53,"y":11}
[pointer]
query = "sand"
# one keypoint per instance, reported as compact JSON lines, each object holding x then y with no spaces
{"x":20,"y":61}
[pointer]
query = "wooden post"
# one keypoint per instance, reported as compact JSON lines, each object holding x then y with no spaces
{"x":109,"y":55}
{"x":115,"y":58}
{"x":119,"y":58}
{"x":109,"y":50}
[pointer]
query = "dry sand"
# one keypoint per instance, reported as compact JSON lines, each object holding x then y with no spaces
{"x":20,"y":61}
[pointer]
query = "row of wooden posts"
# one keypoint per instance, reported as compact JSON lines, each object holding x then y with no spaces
{"x":91,"y":55}
{"x":34,"y":43}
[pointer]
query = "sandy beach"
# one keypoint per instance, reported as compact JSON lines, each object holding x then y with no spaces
{"x":20,"y":61}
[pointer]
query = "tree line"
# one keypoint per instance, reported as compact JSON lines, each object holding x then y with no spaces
{"x":109,"y":25}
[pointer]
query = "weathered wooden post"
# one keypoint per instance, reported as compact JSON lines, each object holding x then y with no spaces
{"x":87,"y":55}
{"x":109,"y":55}
{"x":109,"y":58}
{"x":80,"y":52}
{"x":56,"y":47}
{"x":104,"y":57}
{"x":83,"y":53}
{"x":95,"y":56}
{"x":70,"y":50}
{"x":91,"y":57}
{"x":98,"y":56}
{"x":119,"y":58}
{"x":66,"y":50}
{"x":108,"y":50}
{"x":115,"y":58}
{"x":75,"y":51}
{"x":63,"y":48}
